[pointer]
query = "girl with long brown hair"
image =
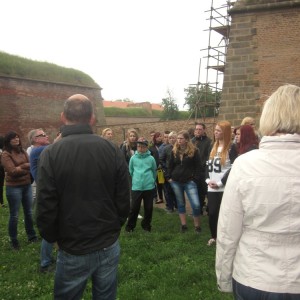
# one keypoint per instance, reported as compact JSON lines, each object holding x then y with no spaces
{"x":218,"y":164}
{"x":183,"y":173}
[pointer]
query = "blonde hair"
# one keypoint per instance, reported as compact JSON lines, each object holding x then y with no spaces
{"x":248,"y":121}
{"x":172,"y":133}
{"x":190,"y":148}
{"x":105,"y":130}
{"x":226,"y":130}
{"x":281,"y":112}
{"x":131,"y":130}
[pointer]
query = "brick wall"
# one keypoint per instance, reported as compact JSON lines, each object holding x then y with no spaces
{"x":263,"y":54}
{"x":144,"y":128}
{"x":27,"y":104}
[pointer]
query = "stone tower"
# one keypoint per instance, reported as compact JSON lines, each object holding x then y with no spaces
{"x":262,"y":54}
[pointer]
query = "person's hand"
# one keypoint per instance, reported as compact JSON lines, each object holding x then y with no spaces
{"x":170,"y":180}
{"x":55,"y":245}
{"x":213,"y":185}
{"x":25,"y":166}
{"x":59,"y":137}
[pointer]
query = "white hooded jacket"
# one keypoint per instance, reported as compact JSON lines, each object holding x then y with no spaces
{"x":258,"y":241}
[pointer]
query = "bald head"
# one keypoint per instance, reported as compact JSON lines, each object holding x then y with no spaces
{"x":78,"y":97}
{"x":78,"y":109}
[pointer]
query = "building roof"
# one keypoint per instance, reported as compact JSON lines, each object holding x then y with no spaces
{"x":120,"y":104}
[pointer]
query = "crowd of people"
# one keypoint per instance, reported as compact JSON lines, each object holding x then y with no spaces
{"x":87,"y":188}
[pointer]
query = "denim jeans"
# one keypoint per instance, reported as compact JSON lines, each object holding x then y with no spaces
{"x":242,"y":292}
{"x":15,"y":196}
{"x":73,"y":272}
{"x":46,"y":253}
{"x":190,"y":188}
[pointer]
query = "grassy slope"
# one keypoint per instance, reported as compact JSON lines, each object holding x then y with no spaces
{"x":17,"y":66}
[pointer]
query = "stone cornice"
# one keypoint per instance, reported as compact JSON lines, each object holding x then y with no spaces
{"x":242,"y":7}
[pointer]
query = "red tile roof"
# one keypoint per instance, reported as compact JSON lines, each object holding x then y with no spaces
{"x":121,"y":104}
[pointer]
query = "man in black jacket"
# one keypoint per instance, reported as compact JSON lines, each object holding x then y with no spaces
{"x":203,"y":143}
{"x":82,"y":202}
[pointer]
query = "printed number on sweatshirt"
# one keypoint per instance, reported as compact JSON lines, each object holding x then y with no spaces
{"x":214,"y":165}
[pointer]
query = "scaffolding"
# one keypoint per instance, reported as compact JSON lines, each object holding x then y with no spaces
{"x":208,"y":91}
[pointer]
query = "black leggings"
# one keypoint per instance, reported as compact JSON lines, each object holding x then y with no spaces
{"x":214,"y":203}
{"x":137,"y":197}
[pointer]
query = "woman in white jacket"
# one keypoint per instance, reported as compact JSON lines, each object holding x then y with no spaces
{"x":258,"y":241}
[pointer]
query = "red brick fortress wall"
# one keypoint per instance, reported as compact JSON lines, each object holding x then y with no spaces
{"x":26,"y":104}
{"x":144,"y":127}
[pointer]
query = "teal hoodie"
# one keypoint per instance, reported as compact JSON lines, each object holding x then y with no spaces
{"x":142,"y":168}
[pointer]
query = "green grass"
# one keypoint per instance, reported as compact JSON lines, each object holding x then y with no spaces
{"x":126,"y":112}
{"x":163,"y":264}
{"x":17,"y":66}
{"x":140,"y":112}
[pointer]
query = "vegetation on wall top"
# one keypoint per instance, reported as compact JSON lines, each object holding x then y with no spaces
{"x":139,"y":112}
{"x":16,"y":66}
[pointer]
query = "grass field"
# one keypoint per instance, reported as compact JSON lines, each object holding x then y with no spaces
{"x":163,"y":264}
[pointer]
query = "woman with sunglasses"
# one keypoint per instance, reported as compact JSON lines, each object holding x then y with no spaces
{"x":18,"y":187}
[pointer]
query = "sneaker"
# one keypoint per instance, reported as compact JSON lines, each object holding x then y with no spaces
{"x":183,"y":228}
{"x":198,"y":229}
{"x":158,"y":201}
{"x":48,"y":269}
{"x":211,"y":242}
{"x":15,"y":245}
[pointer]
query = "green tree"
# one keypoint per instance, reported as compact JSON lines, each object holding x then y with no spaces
{"x":171,"y":109}
{"x":202,"y":101}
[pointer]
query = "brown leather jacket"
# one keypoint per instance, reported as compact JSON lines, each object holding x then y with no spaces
{"x":17,"y":168}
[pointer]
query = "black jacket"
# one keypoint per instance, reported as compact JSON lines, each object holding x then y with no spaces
{"x":184,"y":170}
{"x":82,"y":191}
{"x":203,"y":143}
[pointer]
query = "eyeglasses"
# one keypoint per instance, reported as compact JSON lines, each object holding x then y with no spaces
{"x":41,"y":135}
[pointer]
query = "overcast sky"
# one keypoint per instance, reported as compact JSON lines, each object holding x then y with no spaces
{"x":133,"y":49}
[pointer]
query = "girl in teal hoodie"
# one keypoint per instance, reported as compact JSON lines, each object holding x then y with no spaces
{"x":142,"y":168}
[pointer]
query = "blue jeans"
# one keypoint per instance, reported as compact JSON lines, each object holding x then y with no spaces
{"x":190,"y":188}
{"x":15,"y":196}
{"x":73,"y":272}
{"x":242,"y":292}
{"x":46,"y":253}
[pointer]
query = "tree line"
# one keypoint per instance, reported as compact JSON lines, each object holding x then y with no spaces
{"x":201,"y":101}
